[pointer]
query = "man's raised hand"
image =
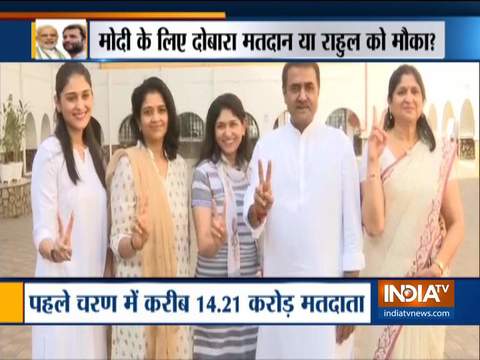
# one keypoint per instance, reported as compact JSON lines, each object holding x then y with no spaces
{"x":263,"y":193}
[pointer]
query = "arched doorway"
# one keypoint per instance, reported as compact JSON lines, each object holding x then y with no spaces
{"x":45,"y":129}
{"x":125,"y":134}
{"x":192,"y":127}
{"x":447,"y":115}
{"x":467,"y":132}
{"x":281,"y":119}
{"x":192,"y":131}
{"x":253,"y":130}
{"x":98,"y":131}
{"x":349,"y":122}
{"x":30,"y":142}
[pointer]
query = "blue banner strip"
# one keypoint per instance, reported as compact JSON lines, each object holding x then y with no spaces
{"x":465,"y":311}
{"x":461,"y":38}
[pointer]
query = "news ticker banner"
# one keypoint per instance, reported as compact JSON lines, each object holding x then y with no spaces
{"x":457,"y":39}
{"x":248,"y":40}
{"x":240,"y":301}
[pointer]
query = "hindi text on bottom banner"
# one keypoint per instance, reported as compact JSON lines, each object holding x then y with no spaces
{"x":197,"y":303}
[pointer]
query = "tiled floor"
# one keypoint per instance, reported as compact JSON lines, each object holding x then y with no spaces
{"x":17,"y":259}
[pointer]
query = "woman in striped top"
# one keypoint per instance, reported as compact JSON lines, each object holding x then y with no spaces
{"x":226,"y":247}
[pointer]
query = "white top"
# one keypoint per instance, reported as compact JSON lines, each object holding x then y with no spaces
{"x":314,"y":227}
{"x":54,"y":193}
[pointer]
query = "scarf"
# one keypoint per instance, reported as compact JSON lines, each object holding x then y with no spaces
{"x":158,"y":254}
{"x":228,"y":174}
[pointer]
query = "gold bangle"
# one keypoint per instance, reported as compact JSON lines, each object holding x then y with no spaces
{"x":440,"y":265}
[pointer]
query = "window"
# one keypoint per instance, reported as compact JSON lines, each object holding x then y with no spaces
{"x":338,"y":119}
{"x":97,"y":131}
{"x":125,"y":134}
{"x":348,"y":121}
{"x":253,"y":132}
{"x":191,"y":127}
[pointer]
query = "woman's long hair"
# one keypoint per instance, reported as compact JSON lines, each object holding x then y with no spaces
{"x":149,"y":86}
{"x":64,"y":74}
{"x":424,"y":131}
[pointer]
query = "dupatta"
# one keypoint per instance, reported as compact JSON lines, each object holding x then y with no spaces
{"x":158,"y":253}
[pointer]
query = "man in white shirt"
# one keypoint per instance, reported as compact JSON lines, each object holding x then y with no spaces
{"x":308,"y":206}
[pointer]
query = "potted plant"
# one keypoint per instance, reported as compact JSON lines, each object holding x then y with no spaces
{"x":13,"y":129}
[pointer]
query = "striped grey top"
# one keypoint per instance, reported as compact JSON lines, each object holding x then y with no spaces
{"x":205,"y":183}
{"x":223,"y":341}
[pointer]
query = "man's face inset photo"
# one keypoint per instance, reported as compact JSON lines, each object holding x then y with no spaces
{"x":73,"y":41}
{"x":47,"y":37}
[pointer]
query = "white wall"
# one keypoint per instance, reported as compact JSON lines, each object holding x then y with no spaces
{"x":32,"y":83}
{"x":453,"y":82}
{"x":342,"y":86}
{"x":257,"y":84}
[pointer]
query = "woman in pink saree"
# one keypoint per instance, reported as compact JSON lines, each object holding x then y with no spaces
{"x":411,"y":210}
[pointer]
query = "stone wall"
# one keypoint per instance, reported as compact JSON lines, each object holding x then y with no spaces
{"x":15,"y":199}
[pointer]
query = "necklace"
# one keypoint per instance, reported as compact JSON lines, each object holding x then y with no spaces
{"x":406,"y":148}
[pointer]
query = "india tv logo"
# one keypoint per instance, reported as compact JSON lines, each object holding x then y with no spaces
{"x":416,"y":293}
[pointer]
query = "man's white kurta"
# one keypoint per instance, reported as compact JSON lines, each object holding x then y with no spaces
{"x":314,"y":227}
{"x":54,"y":193}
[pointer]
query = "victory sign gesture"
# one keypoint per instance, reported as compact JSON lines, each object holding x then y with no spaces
{"x":140,"y":228}
{"x":263,"y":193}
{"x":62,"y":247}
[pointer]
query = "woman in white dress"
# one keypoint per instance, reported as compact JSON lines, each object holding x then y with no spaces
{"x":70,"y":211}
{"x":149,"y":208}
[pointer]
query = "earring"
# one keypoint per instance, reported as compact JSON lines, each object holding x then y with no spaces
{"x":390,"y":116}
